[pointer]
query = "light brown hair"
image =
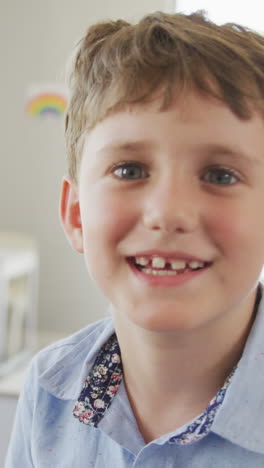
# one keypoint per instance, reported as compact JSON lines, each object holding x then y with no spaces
{"x":118,"y":63}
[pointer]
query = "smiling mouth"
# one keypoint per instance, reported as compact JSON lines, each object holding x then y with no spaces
{"x":160,"y":267}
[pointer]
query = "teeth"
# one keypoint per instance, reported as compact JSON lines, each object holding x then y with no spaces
{"x":149,"y":271}
{"x":178,"y":265}
{"x":141,"y":261}
{"x":158,"y":262}
{"x":195,"y":264}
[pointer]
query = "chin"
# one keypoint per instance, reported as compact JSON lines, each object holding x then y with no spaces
{"x":165,"y":321}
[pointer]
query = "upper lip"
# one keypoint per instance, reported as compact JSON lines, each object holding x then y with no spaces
{"x":169,"y":256}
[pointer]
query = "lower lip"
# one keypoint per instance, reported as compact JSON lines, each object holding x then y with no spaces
{"x":175,"y":280}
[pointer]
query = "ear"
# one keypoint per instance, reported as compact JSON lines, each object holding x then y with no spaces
{"x":70,"y":213}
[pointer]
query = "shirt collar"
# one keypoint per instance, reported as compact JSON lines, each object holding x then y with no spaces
{"x":103,"y":382}
{"x":101,"y":385}
{"x":63,"y":371}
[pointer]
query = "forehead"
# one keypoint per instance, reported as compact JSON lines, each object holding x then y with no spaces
{"x":189,"y":117}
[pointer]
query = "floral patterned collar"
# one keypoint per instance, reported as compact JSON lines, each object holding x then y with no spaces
{"x":104,"y":380}
{"x":101,"y":384}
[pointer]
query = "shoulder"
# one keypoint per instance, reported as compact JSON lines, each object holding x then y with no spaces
{"x":84,"y":339}
{"x":62,"y":367}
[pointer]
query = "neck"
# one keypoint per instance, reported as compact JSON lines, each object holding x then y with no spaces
{"x":183,"y":369}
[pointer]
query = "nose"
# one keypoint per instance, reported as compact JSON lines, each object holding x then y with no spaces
{"x":171,"y":207}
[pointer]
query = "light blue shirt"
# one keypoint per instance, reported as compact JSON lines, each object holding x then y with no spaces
{"x":46,"y":434}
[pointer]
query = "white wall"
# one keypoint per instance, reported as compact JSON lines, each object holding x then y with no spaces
{"x":245,"y":13}
{"x":36,"y":38}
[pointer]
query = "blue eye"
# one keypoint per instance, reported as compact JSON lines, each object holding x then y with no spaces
{"x":221,"y":176}
{"x":130,"y":171}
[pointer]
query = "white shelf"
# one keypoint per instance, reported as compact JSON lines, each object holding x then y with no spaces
{"x":15,"y":262}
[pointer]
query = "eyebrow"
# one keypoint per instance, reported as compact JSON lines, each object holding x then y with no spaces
{"x":234,"y":153}
{"x":210,"y":149}
{"x":126,"y":146}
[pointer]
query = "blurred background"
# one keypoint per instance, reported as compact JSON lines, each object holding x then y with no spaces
{"x":43,"y":282}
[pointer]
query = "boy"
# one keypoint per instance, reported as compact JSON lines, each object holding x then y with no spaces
{"x":164,"y":198}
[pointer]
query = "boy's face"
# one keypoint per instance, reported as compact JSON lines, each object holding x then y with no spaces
{"x":185,"y":184}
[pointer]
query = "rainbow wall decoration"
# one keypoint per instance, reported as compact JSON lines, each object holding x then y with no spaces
{"x":46,"y":103}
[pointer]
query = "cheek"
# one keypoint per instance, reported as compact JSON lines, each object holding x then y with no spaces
{"x":106,"y":221}
{"x":228,"y":227}
{"x":237,"y":231}
{"x":107,"y":218}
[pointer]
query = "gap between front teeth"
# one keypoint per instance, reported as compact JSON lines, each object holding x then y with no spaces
{"x":159,"y":262}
